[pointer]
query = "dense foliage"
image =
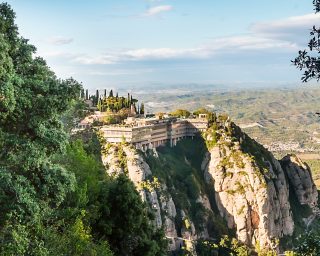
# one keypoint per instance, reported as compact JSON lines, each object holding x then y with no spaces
{"x":111,"y":207}
{"x":55,"y":198}
{"x":32,"y":100}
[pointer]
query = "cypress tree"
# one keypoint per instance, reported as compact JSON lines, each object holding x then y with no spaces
{"x":121,"y":103}
{"x":142,"y":109}
{"x":82,"y":96}
{"x":97,"y":97}
{"x":99,"y":105}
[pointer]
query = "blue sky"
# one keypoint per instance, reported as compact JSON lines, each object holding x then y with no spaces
{"x":116,"y":43}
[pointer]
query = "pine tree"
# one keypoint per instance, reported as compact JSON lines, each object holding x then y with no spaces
{"x":87,"y":94}
{"x":111,"y":94}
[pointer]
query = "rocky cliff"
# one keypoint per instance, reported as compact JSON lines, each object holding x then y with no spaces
{"x":252,"y":194}
{"x":222,"y":183}
{"x":300,"y":179}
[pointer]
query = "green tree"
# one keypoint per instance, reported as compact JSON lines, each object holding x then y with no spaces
{"x":32,"y":101}
{"x":111,"y":94}
{"x":142,"y":109}
{"x":50,"y":206}
{"x":309,"y":60}
{"x":99,"y":105}
{"x":97,"y":97}
{"x":308,"y":244}
{"x":82,"y":95}
{"x":129,"y":231}
{"x":128,"y":101}
{"x":180,"y":113}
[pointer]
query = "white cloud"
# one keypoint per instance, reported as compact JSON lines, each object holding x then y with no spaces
{"x":294,"y":29}
{"x":226,"y":45}
{"x":248,"y":42}
{"x":275,"y":37}
{"x":103,"y":59}
{"x":57,"y":54}
{"x":60,"y":40}
{"x":153,"y":11}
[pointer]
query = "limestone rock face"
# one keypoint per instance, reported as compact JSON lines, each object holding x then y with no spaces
{"x":246,"y":186}
{"x":300,"y":178}
{"x":120,"y":159}
{"x":111,"y":162}
{"x":134,"y":165}
{"x":138,"y":169}
{"x":125,"y":159}
{"x":252,"y":199}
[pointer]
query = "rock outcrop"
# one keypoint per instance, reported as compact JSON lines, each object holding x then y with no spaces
{"x":239,"y":185}
{"x":301,"y":181}
{"x":252,"y":200}
{"x":119,"y":159}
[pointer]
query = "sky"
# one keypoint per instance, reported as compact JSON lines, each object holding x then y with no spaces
{"x":117,"y":43}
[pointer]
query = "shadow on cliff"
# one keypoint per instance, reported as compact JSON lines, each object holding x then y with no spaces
{"x":179,"y":167}
{"x":299,"y":211}
{"x":215,"y":200}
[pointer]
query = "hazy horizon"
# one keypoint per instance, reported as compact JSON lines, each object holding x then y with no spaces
{"x":114,"y":44}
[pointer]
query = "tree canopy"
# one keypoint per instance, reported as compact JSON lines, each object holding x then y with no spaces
{"x":49,"y":185}
{"x":32,"y":101}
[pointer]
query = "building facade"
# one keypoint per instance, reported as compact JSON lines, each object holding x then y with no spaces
{"x":148,"y":133}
